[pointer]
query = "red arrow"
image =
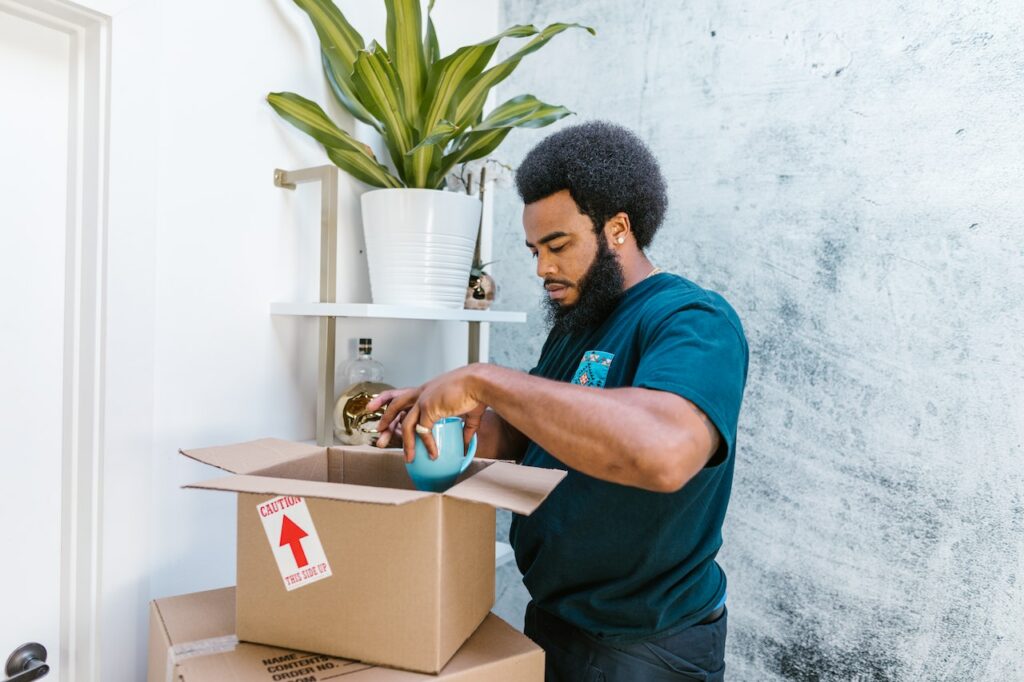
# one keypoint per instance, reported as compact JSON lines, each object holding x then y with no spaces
{"x":292,"y":535}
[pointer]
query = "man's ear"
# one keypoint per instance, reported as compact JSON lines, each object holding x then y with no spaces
{"x":617,"y":230}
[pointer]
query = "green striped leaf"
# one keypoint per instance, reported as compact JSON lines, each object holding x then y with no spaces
{"x":465,"y":63}
{"x":472,"y":93}
{"x":431,"y":48}
{"x":471,"y":146}
{"x":333,"y":29}
{"x":344,"y":91}
{"x":347,"y":152}
{"x":405,"y":47}
{"x":339,"y":43}
{"x":445,"y":77}
{"x":479,"y":144}
{"x":524,"y":111}
{"x":377,"y":82}
{"x":307,"y":116}
{"x":363,"y":168}
{"x":440,"y":135}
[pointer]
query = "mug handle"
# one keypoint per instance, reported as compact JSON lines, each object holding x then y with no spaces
{"x":469,"y":454}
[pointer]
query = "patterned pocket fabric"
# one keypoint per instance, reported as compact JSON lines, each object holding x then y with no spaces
{"x":593,"y":369}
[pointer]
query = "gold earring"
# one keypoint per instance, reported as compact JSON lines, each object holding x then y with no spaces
{"x":621,"y":240}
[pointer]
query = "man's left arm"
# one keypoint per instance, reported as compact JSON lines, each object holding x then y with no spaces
{"x":650,"y":439}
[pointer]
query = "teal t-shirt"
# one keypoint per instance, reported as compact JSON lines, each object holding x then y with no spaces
{"x":622,"y":563}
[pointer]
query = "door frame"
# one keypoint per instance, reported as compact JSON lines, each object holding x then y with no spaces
{"x":107,"y":419}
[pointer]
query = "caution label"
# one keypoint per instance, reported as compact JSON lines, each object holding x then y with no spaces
{"x":294,"y":542}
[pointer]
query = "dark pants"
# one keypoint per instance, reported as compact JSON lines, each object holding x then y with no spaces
{"x":571,"y":655}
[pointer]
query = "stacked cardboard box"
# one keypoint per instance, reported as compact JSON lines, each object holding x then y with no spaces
{"x":338,"y":554}
{"x":191,"y":639}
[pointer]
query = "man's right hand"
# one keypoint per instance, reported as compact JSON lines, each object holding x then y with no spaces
{"x":399,"y":400}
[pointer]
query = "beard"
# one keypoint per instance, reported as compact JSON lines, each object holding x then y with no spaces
{"x":599,"y":291}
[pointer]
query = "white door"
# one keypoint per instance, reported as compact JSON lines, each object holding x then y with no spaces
{"x":77,"y":250}
{"x":34,"y":105}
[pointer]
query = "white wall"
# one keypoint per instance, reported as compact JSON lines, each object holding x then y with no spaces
{"x":229,"y":242}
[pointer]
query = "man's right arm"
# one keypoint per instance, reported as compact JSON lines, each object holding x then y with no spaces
{"x":497,"y":439}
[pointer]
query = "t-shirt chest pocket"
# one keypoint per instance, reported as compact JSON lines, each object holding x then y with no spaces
{"x":593,"y":368}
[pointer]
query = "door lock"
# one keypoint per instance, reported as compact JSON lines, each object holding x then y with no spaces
{"x":27,"y":662}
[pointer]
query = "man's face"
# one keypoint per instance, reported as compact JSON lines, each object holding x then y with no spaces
{"x":582,"y":276}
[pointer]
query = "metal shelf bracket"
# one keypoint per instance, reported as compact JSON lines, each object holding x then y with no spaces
{"x":327,"y":176}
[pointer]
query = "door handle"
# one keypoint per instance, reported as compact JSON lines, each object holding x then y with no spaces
{"x":27,"y":662}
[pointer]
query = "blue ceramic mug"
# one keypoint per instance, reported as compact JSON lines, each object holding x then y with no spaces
{"x":437,"y":475}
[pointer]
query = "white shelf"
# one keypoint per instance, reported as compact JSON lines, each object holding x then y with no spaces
{"x":396,"y":312}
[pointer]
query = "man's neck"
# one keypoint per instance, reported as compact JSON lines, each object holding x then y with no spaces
{"x":635,"y":271}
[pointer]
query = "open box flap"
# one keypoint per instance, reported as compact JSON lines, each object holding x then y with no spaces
{"x":345,"y":492}
{"x":513,"y":487}
{"x":256,"y":455}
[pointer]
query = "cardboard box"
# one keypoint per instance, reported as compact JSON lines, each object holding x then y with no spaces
{"x":191,"y":640}
{"x":339,"y":554}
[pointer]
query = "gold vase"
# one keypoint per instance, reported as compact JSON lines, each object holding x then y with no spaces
{"x":353,"y":425}
{"x":480,"y":292}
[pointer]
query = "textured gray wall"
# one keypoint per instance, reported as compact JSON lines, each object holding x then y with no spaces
{"x":850,"y":178}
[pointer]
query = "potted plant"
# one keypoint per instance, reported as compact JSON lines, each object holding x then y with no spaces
{"x":420,"y":238}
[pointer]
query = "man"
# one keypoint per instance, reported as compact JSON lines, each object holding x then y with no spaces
{"x":637,"y":395}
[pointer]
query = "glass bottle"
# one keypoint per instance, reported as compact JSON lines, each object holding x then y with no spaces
{"x":362,"y":368}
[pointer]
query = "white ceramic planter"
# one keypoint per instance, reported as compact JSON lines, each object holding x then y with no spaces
{"x":419,"y":245}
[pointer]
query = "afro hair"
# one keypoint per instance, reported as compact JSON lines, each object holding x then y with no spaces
{"x":606,"y":168}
